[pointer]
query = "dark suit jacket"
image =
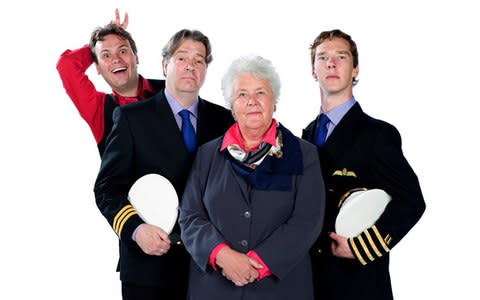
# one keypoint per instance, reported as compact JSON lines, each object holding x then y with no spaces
{"x":146,"y":139}
{"x":110,"y":104}
{"x":368,"y":154}
{"x":219,"y":206}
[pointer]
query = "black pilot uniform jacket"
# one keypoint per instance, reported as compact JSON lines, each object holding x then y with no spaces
{"x":145,"y":139}
{"x":363,"y":153}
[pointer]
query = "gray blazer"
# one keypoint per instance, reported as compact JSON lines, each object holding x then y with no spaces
{"x":219,"y":206}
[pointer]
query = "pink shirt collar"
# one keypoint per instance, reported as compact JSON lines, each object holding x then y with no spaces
{"x":233,"y":136}
{"x":144,"y":91}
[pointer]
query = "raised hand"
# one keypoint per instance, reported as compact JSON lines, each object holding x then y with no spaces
{"x":117,"y":20}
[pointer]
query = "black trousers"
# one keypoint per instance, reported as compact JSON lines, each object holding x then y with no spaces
{"x":139,"y":292}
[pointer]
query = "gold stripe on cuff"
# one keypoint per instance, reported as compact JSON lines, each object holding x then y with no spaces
{"x":357,"y":253}
{"x":380,"y":239}
{"x":124,"y":221}
{"x":364,"y":246}
{"x":370,"y":240}
{"x":120,"y":217}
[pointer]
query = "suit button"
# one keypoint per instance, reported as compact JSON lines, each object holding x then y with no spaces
{"x":244,"y":243}
{"x":319,"y":251}
{"x":247,"y":214}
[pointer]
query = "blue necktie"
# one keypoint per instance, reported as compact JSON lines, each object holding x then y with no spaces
{"x":321,"y":132}
{"x":188,"y":132}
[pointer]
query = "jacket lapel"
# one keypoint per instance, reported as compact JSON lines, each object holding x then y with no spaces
{"x":243,"y":186}
{"x":307,"y":133}
{"x":168,"y":124}
{"x":205,"y":122}
{"x":343,"y":136}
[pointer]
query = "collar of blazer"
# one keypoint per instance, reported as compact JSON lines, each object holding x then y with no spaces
{"x":206,"y":122}
{"x":344,"y":134}
{"x":168,"y":123}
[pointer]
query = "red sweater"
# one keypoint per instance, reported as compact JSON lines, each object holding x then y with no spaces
{"x":72,"y":66}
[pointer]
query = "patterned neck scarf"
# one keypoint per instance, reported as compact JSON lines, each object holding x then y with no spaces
{"x":253,"y":159}
{"x":270,"y":167}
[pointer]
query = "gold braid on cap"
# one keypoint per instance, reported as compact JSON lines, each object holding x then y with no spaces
{"x":348,"y":193}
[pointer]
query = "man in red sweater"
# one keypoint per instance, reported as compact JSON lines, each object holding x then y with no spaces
{"x":114,"y":53}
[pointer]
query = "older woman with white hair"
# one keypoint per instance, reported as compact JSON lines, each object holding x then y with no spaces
{"x":254,"y":202}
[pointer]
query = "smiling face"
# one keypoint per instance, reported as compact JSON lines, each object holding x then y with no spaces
{"x":252,"y":103}
{"x":185,"y":70}
{"x":117,"y":64}
{"x":333,"y":68}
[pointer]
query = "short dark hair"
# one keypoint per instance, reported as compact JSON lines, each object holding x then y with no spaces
{"x":99,"y":34}
{"x":186,"y":34}
{"x":335,"y":33}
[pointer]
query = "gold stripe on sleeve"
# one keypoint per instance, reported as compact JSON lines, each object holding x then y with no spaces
{"x":133,"y":212}
{"x":365,"y":248}
{"x":372,"y":244}
{"x":357,"y":253}
{"x":380,"y":239}
{"x":119,"y":215}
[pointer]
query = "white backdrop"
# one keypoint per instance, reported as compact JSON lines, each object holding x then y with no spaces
{"x":418,"y":70}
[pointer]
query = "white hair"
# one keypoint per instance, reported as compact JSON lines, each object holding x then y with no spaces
{"x":259,"y":67}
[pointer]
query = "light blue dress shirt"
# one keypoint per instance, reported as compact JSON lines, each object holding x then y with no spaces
{"x":176,"y":108}
{"x":336,"y":114}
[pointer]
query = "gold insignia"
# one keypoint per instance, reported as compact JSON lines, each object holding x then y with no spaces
{"x":344,"y":172}
{"x":337,"y":172}
{"x":388,"y":239}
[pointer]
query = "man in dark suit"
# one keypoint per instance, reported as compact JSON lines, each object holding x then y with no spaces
{"x":158,"y":135}
{"x":356,"y":152}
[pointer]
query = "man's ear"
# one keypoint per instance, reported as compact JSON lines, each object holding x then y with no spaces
{"x":314,"y":75}
{"x":98,"y":69}
{"x":355,"y":71}
{"x":165,"y":65}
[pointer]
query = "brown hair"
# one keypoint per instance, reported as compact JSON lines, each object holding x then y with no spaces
{"x":186,"y":34}
{"x":99,"y":33}
{"x":335,"y":33}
